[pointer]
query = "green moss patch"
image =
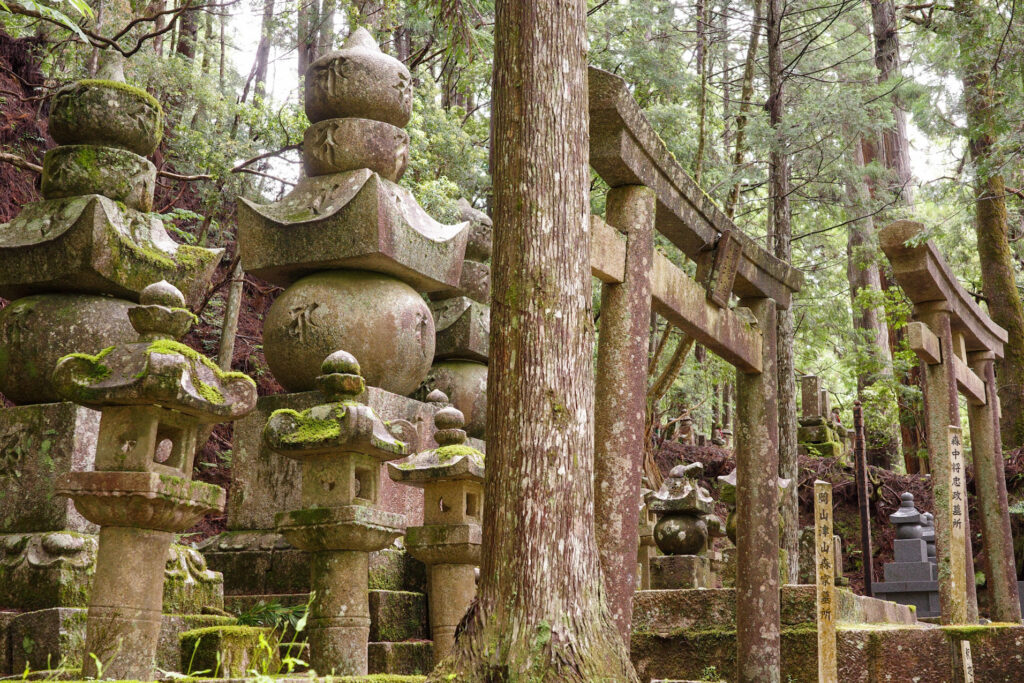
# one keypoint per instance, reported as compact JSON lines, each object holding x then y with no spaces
{"x":171,"y":347}
{"x":308,"y":429}
{"x":99,"y":371}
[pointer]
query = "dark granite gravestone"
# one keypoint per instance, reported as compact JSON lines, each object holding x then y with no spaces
{"x":912,"y":577}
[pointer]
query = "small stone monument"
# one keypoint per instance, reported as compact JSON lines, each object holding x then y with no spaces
{"x":685,"y":524}
{"x":451,"y":477}
{"x":341,"y":445}
{"x":154,"y":397}
{"x":911,"y":578}
{"x":819,"y":433}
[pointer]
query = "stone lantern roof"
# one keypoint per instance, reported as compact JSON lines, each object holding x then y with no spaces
{"x":157,"y":370}
{"x":680,"y":492}
{"x":452,"y":460}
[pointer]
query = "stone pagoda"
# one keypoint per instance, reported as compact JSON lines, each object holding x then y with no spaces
{"x":340,"y":445}
{"x":73,"y":265}
{"x":451,"y":477}
{"x":155,"y":396}
{"x":686,"y":524}
{"x":912,"y":578}
{"x":355,"y":254}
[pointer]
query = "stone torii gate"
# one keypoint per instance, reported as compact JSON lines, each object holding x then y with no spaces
{"x":958,"y":344}
{"x":650,"y":191}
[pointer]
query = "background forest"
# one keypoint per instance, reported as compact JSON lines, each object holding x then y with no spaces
{"x":812,"y":123}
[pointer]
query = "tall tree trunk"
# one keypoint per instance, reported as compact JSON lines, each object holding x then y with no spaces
{"x":869,"y":321}
{"x":702,"y":104}
{"x":893,"y":151}
{"x":325,"y":42}
{"x":540,"y":613}
{"x":746,"y":97}
{"x":990,"y":222}
{"x":188,"y":31}
{"x":306,"y":24}
{"x":262,"y":53}
{"x":782,"y":234}
{"x":895,"y":148}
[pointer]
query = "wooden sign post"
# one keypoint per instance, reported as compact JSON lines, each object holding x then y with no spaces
{"x":957,"y":526}
{"x":827,"y":606}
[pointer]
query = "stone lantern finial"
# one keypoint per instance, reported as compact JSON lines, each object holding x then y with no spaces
{"x":341,"y":379}
{"x":906,"y":519}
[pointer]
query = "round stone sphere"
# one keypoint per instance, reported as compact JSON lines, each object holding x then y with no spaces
{"x":680,"y":534}
{"x":381,"y":321}
{"x":465,"y":383}
{"x":340,"y":145}
{"x":38,"y":330}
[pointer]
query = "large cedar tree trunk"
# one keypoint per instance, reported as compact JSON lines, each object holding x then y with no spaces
{"x":997,"y":275}
{"x":540,"y":613}
{"x":782,"y":231}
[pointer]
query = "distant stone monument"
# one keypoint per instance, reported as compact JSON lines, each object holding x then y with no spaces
{"x":74,"y":264}
{"x":820,"y":434}
{"x":154,"y":396}
{"x":912,"y":577}
{"x":449,"y":541}
{"x":686,"y":524}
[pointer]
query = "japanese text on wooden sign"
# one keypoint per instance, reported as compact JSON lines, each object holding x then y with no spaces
{"x":827,"y":607}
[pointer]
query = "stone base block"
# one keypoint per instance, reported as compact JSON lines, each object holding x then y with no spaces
{"x":397,"y":616}
{"x":909,"y":550}
{"x":55,"y":569}
{"x":922,"y":595}
{"x":55,"y":638}
{"x":910,"y":571}
{"x":229,"y":652}
{"x":5,"y":642}
{"x":38,"y":443}
{"x":463,"y":327}
{"x":679,"y":571}
{"x":828,"y":449}
{"x":262,"y":564}
{"x":407,"y":659}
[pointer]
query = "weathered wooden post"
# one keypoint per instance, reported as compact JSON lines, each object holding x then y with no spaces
{"x":863,"y":499}
{"x":826,"y":605}
{"x":990,"y":487}
{"x":758,"y":608}
{"x":620,"y":400}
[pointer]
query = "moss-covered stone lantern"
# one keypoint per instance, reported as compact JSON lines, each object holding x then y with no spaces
{"x":451,"y":477}
{"x":154,"y":397}
{"x":341,"y":445}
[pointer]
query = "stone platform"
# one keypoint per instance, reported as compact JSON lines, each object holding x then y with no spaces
{"x":678,"y":634}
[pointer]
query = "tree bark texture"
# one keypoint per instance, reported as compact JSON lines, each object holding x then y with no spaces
{"x":895,"y":148}
{"x":869,"y":321}
{"x":540,"y":613}
{"x":990,"y":222}
{"x":782,"y":232}
{"x":621,"y":401}
{"x":746,"y":95}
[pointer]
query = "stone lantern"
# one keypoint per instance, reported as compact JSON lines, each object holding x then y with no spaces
{"x":906,"y":519}
{"x":451,"y":477}
{"x":155,"y":397}
{"x":685,"y":524}
{"x":928,"y":534}
{"x":340,"y":446}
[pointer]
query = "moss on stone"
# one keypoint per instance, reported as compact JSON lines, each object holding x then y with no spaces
{"x":446,"y":453}
{"x":99,"y":371}
{"x":171,"y":347}
{"x":307,"y":429}
{"x":209,"y":392}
